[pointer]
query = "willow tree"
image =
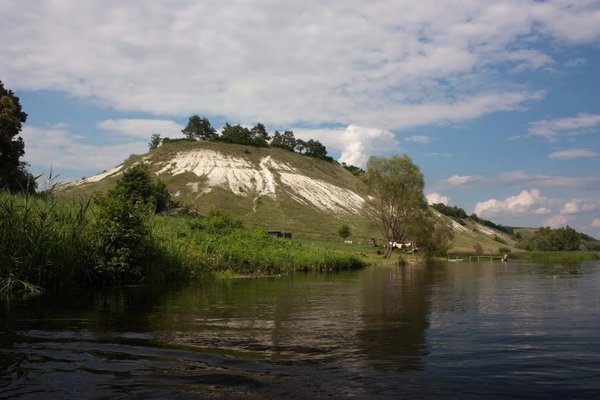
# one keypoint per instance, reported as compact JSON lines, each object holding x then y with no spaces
{"x":401,"y":210}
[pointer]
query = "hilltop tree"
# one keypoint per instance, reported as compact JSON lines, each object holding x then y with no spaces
{"x":316,"y":149}
{"x":259,"y":135}
{"x":285,"y":140}
{"x":236,"y":134}
{"x":13,"y":173}
{"x":396,"y":185}
{"x":155,"y":141}
{"x":199,"y":129}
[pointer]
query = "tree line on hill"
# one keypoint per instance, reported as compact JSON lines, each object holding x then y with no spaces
{"x":543,"y":239}
{"x":199,"y":128}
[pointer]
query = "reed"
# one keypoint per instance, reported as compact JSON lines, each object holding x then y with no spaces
{"x":51,"y":245}
{"x":557,"y":256}
{"x":42,"y":243}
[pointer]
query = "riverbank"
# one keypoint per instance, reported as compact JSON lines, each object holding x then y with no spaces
{"x":47,"y":245}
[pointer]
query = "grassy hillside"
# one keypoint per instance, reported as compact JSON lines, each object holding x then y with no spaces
{"x":282,"y":213}
{"x":285,"y":211}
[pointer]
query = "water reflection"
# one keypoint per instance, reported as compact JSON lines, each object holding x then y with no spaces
{"x":394,"y":314}
{"x":469,"y":329}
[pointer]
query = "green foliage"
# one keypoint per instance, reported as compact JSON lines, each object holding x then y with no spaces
{"x":285,"y":140}
{"x":396,"y":185}
{"x":344,"y":231}
{"x":137,"y":186}
{"x":155,"y":141}
{"x":43,"y":243}
{"x":13,"y":173}
{"x":199,"y":129}
{"x":490,"y":224}
{"x":503,"y":250}
{"x":259,"y":135}
{"x":121,"y":240}
{"x":356,"y":171}
{"x":236,"y":134}
{"x":561,"y":239}
{"x":450,"y":211}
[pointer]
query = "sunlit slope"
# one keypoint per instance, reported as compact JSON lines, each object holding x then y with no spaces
{"x":271,"y":188}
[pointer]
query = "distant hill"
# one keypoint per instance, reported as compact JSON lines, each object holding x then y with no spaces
{"x":277,"y":190}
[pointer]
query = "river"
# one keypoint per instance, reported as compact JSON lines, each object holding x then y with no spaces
{"x":462,"y":330}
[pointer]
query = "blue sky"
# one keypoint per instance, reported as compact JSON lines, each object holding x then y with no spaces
{"x":498,"y":102}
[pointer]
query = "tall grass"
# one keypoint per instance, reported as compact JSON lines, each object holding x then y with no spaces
{"x":52,"y":245}
{"x":42,"y":243}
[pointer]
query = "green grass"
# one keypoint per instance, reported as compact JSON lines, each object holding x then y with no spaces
{"x":53,"y":245}
{"x":558,"y":256}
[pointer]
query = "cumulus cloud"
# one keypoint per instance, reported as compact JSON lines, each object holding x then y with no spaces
{"x":526,"y":202}
{"x":551,"y":128}
{"x":556,"y":221}
{"x":390,"y":64}
{"x":142,"y":127}
{"x":572,"y":153}
{"x":354,"y":143}
{"x":436,"y":198}
{"x":59,"y":147}
{"x":578,"y":206}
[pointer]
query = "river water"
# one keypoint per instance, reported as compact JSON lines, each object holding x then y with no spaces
{"x":462,"y":330}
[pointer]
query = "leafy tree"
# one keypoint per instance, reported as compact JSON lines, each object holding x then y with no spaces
{"x":199,"y":129}
{"x":120,"y":237}
{"x":236,"y":134}
{"x":344,"y":231}
{"x":259,"y":135}
{"x":155,"y":141}
{"x":300,"y":146}
{"x":13,"y":173}
{"x":396,"y":185}
{"x":450,"y":211}
{"x":137,"y":186}
{"x":316,"y":149}
{"x":561,"y":239}
{"x":285,"y":140}
{"x":356,"y":171}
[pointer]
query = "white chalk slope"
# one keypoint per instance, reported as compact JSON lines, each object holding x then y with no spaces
{"x":268,"y":178}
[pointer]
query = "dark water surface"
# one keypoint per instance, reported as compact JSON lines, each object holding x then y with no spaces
{"x":465,"y":330}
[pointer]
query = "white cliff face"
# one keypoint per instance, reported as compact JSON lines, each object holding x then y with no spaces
{"x":269,"y":177}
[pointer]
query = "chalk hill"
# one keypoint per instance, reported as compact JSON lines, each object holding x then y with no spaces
{"x":270,"y":188}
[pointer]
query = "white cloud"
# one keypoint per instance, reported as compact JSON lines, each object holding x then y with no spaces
{"x":572,"y":153}
{"x":551,"y":128}
{"x":143,"y":128}
{"x":390,"y":64}
{"x":58,"y":147}
{"x":526,"y":202}
{"x":355,"y":143}
{"x":461,"y":180}
{"x":520,"y":178}
{"x":596,"y":222}
{"x":420,"y":139}
{"x":556,"y":221}
{"x":436,"y":198}
{"x":577,"y":206}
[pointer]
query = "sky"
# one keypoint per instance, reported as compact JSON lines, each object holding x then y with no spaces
{"x":497,"y":102}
